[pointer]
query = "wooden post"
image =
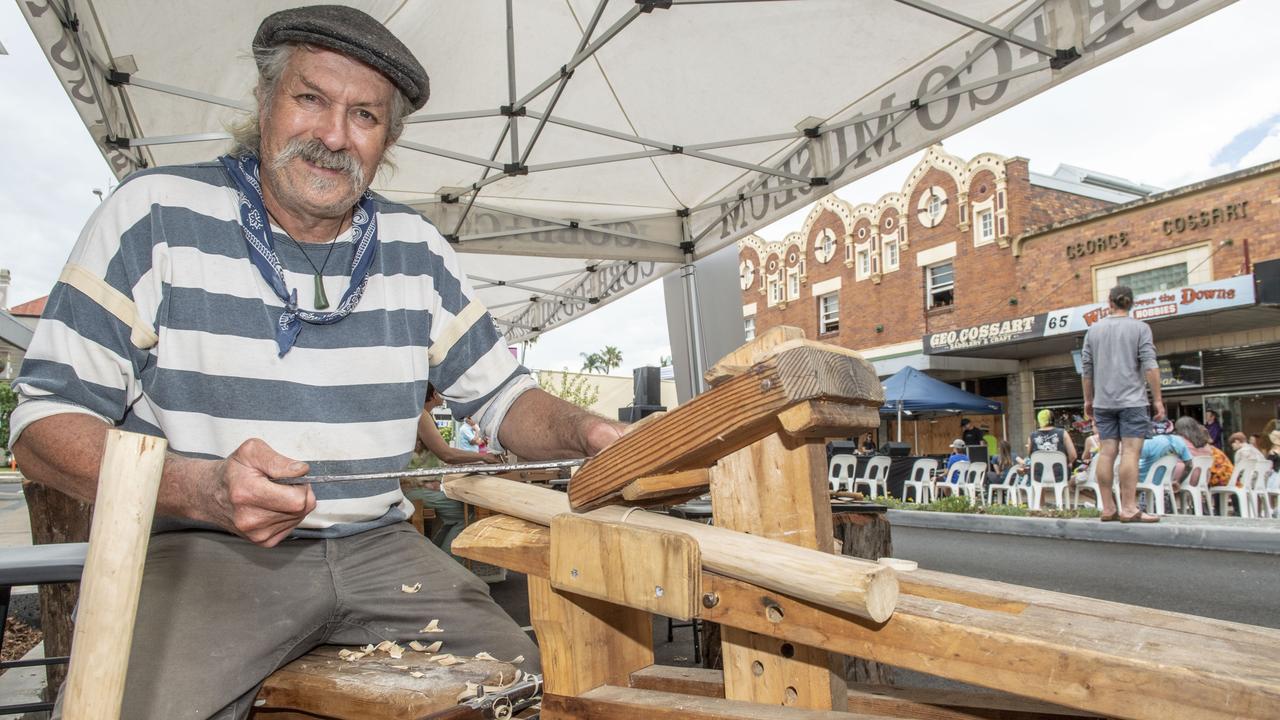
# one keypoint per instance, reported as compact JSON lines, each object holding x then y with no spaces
{"x":776,"y":488}
{"x":585,"y":642}
{"x":56,"y":518}
{"x":865,"y":535}
{"x":128,"y":482}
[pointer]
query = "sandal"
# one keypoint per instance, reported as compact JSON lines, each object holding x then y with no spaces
{"x":1113,"y":517}
{"x":1140,"y":517}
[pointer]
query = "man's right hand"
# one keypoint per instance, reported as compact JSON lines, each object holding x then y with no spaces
{"x":243,"y":499}
{"x":1088,"y":409}
{"x":1158,"y":407}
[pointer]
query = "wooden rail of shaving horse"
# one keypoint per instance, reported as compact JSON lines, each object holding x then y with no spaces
{"x":756,"y":439}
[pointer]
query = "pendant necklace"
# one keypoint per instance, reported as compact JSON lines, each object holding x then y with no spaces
{"x":321,"y":300}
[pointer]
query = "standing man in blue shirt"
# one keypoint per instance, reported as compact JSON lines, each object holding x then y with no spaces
{"x":1119,"y":354}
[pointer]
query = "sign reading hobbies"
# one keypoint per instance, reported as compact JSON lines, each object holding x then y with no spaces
{"x":1176,"y":302}
{"x":1205,"y":297}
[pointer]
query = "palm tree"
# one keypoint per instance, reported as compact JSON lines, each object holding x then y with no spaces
{"x":593,"y":363}
{"x":610,"y":357}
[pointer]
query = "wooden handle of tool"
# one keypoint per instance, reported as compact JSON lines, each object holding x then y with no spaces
{"x":128,"y":481}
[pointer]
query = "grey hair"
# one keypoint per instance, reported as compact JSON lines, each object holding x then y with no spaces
{"x":1193,"y":431}
{"x":247,"y":133}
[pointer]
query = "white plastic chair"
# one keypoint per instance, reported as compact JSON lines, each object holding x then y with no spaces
{"x":1159,"y":480}
{"x":1272,"y":492}
{"x":875,"y":475}
{"x":1007,"y":487}
{"x":1220,"y":496}
{"x":840,"y":471}
{"x":1043,"y":477}
{"x":1198,"y":494}
{"x":974,"y":477}
{"x":920,"y":479}
{"x":950,"y":482}
{"x":1259,"y":502}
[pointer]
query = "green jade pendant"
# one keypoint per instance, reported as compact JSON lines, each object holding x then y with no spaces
{"x":322,"y":300}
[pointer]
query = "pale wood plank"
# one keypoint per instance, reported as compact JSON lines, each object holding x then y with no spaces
{"x":507,"y":542}
{"x":622,"y":703}
{"x":663,"y":487}
{"x":654,"y":570}
{"x":128,"y":481}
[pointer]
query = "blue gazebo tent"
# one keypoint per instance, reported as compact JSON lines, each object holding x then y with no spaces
{"x":912,"y":394}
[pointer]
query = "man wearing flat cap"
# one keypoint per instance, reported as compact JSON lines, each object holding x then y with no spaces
{"x":271,"y":317}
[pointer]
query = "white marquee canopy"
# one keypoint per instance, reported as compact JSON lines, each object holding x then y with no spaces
{"x":575,"y":149}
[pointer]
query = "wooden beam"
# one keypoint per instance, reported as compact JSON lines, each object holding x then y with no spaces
{"x":824,"y":419}
{"x":662,"y":487}
{"x":654,"y":570}
{"x":622,"y":703}
{"x":896,"y":702}
{"x":740,"y":361}
{"x":736,"y":413}
{"x":861,"y":587}
{"x":128,"y":481}
{"x":586,"y":642}
{"x":776,"y":488}
{"x":1096,"y":656}
{"x":1075,"y":652}
{"x":507,"y":542}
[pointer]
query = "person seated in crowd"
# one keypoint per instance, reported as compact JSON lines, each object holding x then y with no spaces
{"x":1047,"y":438}
{"x":1200,"y":444}
{"x":449,"y":513}
{"x":1163,"y":442}
{"x":1244,"y":452}
{"x":957,"y":453}
{"x":1274,"y":453}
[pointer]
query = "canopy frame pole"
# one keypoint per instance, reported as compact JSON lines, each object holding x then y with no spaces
{"x":564,"y":80}
{"x":471,"y":196}
{"x":511,"y":86}
{"x":118,"y":78}
{"x":450,"y":154}
{"x":580,"y":57}
{"x":692,"y":316}
{"x":746,"y":196}
{"x":508,"y":233}
{"x":531,"y":288}
{"x":461,"y":115}
{"x":980,"y":26}
{"x":481,"y":284}
{"x":900,"y":422}
{"x":577,"y":225}
{"x":167,"y":139}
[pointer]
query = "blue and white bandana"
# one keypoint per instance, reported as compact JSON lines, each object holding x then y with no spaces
{"x":262,"y":252}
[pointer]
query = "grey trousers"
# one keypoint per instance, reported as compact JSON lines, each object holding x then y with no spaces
{"x":218,"y":614}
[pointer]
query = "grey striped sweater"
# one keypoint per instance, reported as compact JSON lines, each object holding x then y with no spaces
{"x":160,"y":324}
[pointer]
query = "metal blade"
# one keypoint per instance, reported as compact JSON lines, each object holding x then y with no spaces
{"x":482,"y":468}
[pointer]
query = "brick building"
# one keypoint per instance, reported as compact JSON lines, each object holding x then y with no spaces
{"x":985,"y":274}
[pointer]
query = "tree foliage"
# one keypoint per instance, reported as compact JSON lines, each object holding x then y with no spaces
{"x":573,"y":388}
{"x":8,"y":401}
{"x":602,"y":362}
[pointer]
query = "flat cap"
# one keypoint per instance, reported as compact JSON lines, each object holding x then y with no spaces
{"x":353,"y":33}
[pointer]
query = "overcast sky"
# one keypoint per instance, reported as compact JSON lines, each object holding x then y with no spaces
{"x":1202,"y":101}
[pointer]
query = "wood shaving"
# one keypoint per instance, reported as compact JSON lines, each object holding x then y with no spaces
{"x":434,"y":647}
{"x":367,"y":649}
{"x":447,"y":660}
{"x":416,"y":674}
{"x":399,"y":667}
{"x":486,"y":656}
{"x":432,"y":627}
{"x":395,"y":651}
{"x":411,"y":588}
{"x":350,"y":655}
{"x":424,"y":648}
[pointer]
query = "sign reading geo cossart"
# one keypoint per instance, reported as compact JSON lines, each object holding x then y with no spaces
{"x":993,"y":333}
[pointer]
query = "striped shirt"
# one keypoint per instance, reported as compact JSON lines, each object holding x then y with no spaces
{"x":160,"y":324}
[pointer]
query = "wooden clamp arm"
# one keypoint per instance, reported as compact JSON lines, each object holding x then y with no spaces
{"x":734,"y":414}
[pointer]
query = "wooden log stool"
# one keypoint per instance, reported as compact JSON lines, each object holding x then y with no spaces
{"x":320,"y":685}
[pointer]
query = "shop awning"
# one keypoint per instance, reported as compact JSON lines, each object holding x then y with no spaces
{"x":576,"y":149}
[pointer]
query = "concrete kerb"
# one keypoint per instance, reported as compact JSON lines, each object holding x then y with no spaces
{"x":1196,"y":533}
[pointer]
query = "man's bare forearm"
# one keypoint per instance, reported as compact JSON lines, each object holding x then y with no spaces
{"x":541,"y":426}
{"x":65,"y":453}
{"x":1087,"y":382}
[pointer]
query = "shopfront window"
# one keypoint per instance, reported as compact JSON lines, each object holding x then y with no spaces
{"x":1156,"y":279}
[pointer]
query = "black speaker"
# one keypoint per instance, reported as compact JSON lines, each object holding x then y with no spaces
{"x":648,"y":388}
{"x":896,"y":449}
{"x":1266,"y":282}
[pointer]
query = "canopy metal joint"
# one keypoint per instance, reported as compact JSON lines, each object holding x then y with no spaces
{"x":1064,"y":57}
{"x":515,"y":169}
{"x":115,"y":78}
{"x":648,"y":6}
{"x":509,"y":111}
